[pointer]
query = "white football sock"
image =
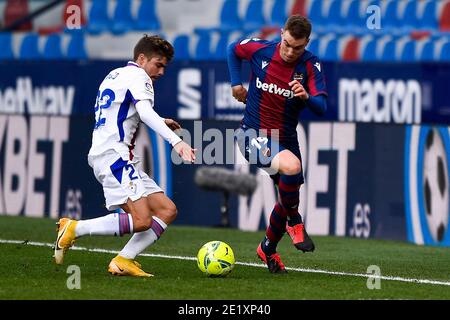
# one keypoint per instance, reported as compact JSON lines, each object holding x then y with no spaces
{"x":112,"y":224}
{"x":141,"y":240}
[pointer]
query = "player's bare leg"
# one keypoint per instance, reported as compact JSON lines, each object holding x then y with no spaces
{"x":153,"y":214}
{"x":69,"y":230}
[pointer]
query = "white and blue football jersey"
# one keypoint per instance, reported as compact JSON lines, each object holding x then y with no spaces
{"x":116,"y":118}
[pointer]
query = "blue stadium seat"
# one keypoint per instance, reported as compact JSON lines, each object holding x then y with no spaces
{"x":316,"y":16}
{"x":429,"y":19}
{"x":147,"y":16}
{"x":427,"y":53}
{"x":122,"y":19}
{"x":408,"y":54}
{"x":369,"y":52}
{"x":254,"y":16}
{"x":334,"y":18}
{"x":313,"y":46}
{"x":388,"y":53}
{"x":278,"y":15}
{"x":445,"y":53}
{"x":390,"y":19}
{"x":229,"y":15}
{"x":29,"y":48}
{"x":409,"y":20}
{"x":225,"y":38}
{"x":6,"y":44}
{"x":181,"y":47}
{"x":220,"y":53}
{"x":355,"y":22}
{"x":374,"y":3}
{"x":99,"y":20}
{"x":76,"y":48}
{"x":331,"y":50}
{"x":52,"y":48}
{"x":203,"y":46}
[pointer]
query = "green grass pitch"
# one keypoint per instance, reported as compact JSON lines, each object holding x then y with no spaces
{"x":336,"y":270}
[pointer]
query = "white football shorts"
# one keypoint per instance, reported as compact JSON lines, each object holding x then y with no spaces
{"x":121,"y":179}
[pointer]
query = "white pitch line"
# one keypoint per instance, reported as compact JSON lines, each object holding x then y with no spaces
{"x":249,"y":264}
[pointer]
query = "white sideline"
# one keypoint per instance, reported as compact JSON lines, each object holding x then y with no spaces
{"x":259,"y":265}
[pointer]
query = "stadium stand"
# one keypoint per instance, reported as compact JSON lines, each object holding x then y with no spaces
{"x":147,"y":17}
{"x":388,"y":50}
{"x":66,"y":16}
{"x":278,"y":14}
{"x":368,"y":48}
{"x":76,"y":49}
{"x":203,"y":49}
{"x":299,"y":7}
{"x":222,"y":44}
{"x":335,"y":17}
{"x":407,"y":51}
{"x":330,"y":51}
{"x":445,"y":52}
{"x":181,"y":46}
{"x":229,"y":16}
{"x":409,"y":20}
{"x":415,"y":27}
{"x":15,"y":10}
{"x":429,"y":18}
{"x":425,"y":50}
{"x":390,"y":21}
{"x":355,"y":22}
{"x":67,"y":12}
{"x":254,"y":17}
{"x":350,"y":51}
{"x":122,"y":20}
{"x":6,"y":44}
{"x":99,"y":20}
{"x":444,"y":24}
{"x":315,"y":13}
{"x":29,"y":48}
{"x":52,"y":48}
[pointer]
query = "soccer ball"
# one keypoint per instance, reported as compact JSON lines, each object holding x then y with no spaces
{"x":216,"y":259}
{"x":435,"y":184}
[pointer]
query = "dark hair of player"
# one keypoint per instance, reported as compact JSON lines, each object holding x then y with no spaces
{"x":153,"y":45}
{"x":298,"y":26}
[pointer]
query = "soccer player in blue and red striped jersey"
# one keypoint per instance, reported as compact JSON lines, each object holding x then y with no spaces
{"x":285,"y":79}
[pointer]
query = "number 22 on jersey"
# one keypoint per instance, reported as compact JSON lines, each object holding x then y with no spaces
{"x":104,"y":101}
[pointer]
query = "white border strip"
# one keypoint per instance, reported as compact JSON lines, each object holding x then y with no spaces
{"x":413,"y":158}
{"x":258,"y":265}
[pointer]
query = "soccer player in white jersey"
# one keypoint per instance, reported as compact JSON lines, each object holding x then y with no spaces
{"x":125,"y":98}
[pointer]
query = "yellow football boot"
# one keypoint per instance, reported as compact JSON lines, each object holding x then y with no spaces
{"x":66,"y":238}
{"x":120,"y":266}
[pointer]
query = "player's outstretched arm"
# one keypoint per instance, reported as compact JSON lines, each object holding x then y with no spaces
{"x":234,"y":65}
{"x":149,"y":116}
